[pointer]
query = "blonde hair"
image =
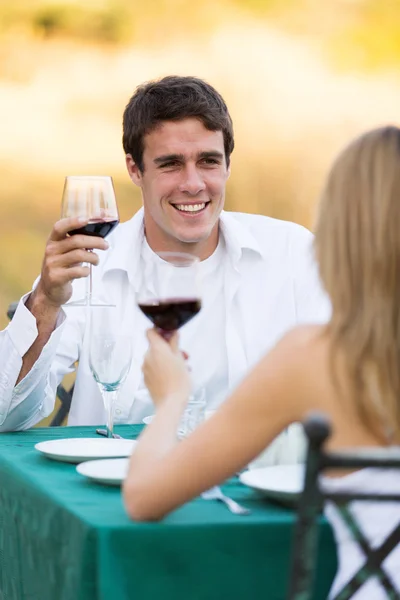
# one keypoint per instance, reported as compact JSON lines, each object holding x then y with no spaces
{"x":357,"y":245}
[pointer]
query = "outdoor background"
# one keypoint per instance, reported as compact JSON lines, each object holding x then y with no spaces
{"x":301,"y":77}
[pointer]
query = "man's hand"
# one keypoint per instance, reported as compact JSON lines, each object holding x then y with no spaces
{"x":62,"y":264}
{"x":63,"y":260}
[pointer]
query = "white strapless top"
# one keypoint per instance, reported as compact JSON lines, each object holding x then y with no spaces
{"x":376,"y":521}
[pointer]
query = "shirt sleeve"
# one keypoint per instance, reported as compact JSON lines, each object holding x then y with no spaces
{"x":25,"y":404}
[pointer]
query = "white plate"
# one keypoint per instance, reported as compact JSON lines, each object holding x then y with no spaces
{"x":76,"y":450}
{"x":111,"y":472}
{"x":148,"y":420}
{"x":283,"y":483}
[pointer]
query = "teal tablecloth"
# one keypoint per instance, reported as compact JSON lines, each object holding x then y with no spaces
{"x":64,"y":538}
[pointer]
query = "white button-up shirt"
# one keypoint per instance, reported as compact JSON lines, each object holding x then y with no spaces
{"x":270,"y":285}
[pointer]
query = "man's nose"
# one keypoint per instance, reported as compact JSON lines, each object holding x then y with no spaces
{"x":192,"y":181}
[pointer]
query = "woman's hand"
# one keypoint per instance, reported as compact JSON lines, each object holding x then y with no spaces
{"x":164,"y":369}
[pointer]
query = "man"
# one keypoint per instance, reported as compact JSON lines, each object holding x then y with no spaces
{"x":258,"y":276}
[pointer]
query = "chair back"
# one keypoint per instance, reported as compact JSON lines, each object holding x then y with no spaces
{"x":305,"y":546}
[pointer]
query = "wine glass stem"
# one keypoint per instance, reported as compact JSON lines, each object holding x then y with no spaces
{"x":90,"y":280}
{"x":110,"y":398}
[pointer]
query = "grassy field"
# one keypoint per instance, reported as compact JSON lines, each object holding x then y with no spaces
{"x":300,"y":77}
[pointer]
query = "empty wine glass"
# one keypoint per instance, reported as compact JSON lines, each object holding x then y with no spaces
{"x":93,"y":198}
{"x":194,"y":413}
{"x":110,"y":356}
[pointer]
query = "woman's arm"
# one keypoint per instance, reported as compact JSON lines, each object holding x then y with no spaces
{"x":165,"y":473}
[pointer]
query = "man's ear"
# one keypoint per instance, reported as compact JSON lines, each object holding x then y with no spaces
{"x":133,"y":170}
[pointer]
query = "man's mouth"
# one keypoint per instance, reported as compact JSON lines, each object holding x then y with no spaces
{"x":192,"y":209}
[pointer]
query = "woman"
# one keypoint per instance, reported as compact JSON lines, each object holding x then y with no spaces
{"x":348,"y":368}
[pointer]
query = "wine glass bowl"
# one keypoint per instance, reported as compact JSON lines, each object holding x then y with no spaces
{"x":170,"y":294}
{"x":93,"y":198}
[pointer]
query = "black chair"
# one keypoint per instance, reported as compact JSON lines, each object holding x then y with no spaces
{"x":65,"y":396}
{"x":318,"y":429}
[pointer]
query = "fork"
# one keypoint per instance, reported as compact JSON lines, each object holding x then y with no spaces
{"x":215,"y":493}
{"x":103,"y":432}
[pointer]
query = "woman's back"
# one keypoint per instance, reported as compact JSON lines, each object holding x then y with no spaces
{"x":328,"y":389}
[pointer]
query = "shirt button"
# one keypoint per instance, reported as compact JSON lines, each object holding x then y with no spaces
{"x":118,"y":411}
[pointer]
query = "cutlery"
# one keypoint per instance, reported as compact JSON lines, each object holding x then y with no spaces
{"x":215,"y":493}
{"x":103,"y":432}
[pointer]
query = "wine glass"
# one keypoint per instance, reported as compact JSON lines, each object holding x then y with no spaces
{"x":110,"y":356}
{"x":170,"y":297}
{"x":93,"y":198}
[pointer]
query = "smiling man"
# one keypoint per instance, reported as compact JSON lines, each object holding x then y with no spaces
{"x":258,"y":277}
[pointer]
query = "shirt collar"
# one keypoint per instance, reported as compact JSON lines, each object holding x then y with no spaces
{"x":126,"y":243}
{"x":237,"y":237}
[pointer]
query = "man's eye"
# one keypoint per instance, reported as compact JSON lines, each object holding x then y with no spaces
{"x":169,"y":164}
{"x":210,"y":161}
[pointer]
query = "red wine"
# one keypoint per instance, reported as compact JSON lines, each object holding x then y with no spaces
{"x":100,"y":228}
{"x":171,"y":314}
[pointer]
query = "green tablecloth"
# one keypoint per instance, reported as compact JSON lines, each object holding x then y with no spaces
{"x":65,"y":538}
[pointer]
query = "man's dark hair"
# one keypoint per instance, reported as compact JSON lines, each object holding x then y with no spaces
{"x":173,"y":98}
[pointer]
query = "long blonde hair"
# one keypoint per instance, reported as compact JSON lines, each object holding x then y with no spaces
{"x":357,"y":245}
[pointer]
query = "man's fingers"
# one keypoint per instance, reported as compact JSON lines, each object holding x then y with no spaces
{"x":74,"y":242}
{"x":75,"y":257}
{"x":63,"y":226}
{"x":76,"y":272}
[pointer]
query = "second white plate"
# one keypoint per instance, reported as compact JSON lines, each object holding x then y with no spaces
{"x":111,"y":472}
{"x":76,"y":450}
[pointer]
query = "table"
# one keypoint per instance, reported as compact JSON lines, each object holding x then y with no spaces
{"x":65,"y":538}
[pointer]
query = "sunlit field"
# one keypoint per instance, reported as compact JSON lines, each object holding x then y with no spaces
{"x":297,"y":89}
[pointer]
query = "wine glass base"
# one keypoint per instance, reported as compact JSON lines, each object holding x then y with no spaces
{"x":89,"y":301}
{"x":97,"y":302}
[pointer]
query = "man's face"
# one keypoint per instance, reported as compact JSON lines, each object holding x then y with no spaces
{"x":183,"y":185}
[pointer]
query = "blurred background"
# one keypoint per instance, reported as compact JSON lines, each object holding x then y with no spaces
{"x":301,"y":77}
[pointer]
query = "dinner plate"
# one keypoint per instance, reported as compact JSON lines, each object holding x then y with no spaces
{"x":76,"y":450}
{"x":283,"y":483}
{"x":148,"y":420}
{"x":110,"y":472}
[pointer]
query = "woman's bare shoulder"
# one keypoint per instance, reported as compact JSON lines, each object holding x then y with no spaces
{"x":297,"y":354}
{"x":303,"y":338}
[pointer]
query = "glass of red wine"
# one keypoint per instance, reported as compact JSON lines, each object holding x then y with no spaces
{"x":170,"y":298}
{"x":169,"y":295}
{"x":92,"y":197}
